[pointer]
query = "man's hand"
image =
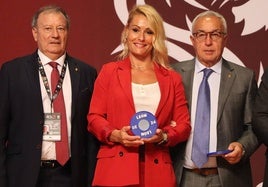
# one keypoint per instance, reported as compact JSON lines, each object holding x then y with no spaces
{"x":236,"y":154}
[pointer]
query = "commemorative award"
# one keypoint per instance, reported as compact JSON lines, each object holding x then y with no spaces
{"x":143,"y":124}
{"x":219,"y":153}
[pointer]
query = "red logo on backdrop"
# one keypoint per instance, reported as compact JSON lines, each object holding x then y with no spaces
{"x":247,"y":27}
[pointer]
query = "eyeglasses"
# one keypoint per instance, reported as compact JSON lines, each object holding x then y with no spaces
{"x":50,"y":29}
{"x":202,"y":36}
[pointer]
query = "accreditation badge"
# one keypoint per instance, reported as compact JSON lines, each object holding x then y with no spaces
{"x":143,"y":124}
{"x":51,"y":128}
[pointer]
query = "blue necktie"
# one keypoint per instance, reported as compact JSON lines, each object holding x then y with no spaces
{"x":202,"y":122}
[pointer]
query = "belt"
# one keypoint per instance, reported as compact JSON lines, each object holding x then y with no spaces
{"x":49,"y":164}
{"x":203,"y":171}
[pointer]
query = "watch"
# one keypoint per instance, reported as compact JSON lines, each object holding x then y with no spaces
{"x":164,"y":140}
{"x":243,"y":152}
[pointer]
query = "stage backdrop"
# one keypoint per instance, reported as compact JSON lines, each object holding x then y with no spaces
{"x":96,"y":26}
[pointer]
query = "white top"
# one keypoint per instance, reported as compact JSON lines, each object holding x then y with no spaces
{"x":48,"y":147}
{"x":146,"y":97}
{"x":214,"y":84}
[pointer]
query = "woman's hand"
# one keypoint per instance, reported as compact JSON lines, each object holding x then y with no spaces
{"x":122,"y":136}
{"x":157,"y":138}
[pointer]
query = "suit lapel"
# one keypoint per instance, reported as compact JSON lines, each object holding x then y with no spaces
{"x":164,"y":82}
{"x":32,"y":72}
{"x":227,"y":79}
{"x":32,"y":69}
{"x":187,"y":72}
{"x":75,"y":77}
{"x":124,"y":76}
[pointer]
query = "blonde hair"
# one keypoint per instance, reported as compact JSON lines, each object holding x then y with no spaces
{"x":159,"y":52}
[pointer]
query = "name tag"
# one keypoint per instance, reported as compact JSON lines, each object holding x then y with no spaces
{"x":51,"y":128}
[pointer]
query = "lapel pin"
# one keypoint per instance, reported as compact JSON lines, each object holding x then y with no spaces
{"x":76,"y":69}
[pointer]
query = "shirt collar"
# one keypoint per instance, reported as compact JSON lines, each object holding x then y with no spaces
{"x":216,"y":68}
{"x":45,"y":60}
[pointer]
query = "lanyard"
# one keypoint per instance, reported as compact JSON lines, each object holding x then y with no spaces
{"x":53,"y":96}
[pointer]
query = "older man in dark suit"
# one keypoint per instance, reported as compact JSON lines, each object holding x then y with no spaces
{"x":30,"y":155}
{"x":218,"y":149}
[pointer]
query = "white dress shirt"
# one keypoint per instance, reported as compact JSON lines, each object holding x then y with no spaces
{"x":214,"y":84}
{"x":48,"y":147}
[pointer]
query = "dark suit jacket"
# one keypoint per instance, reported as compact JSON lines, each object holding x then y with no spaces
{"x":260,"y":118}
{"x":236,"y":95}
{"x":22,"y":118}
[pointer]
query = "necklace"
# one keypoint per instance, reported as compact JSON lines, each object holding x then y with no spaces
{"x":139,"y":67}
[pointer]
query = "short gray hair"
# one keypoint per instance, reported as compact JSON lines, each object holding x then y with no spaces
{"x":209,"y":13}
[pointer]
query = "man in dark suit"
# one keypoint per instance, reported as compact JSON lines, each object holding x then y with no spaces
{"x":260,"y":118}
{"x":232,"y":90}
{"x":29,"y":153}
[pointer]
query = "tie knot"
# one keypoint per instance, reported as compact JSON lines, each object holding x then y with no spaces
{"x":207,"y":72}
{"x":53,"y":64}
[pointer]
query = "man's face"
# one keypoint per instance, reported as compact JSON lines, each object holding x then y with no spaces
{"x":208,"y":40}
{"x":51,"y":34}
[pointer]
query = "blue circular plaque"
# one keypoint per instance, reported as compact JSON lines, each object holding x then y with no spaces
{"x":219,"y":153}
{"x":143,"y":124}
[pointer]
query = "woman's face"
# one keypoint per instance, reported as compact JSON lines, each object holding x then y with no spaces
{"x":140,"y":37}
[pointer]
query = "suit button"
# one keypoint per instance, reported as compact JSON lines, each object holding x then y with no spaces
{"x":156,"y":161}
{"x":121,"y":153}
{"x":38,"y":146}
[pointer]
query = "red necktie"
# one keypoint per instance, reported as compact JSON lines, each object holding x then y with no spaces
{"x":62,"y":147}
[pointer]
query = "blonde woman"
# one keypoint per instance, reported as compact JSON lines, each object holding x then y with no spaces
{"x":139,"y":81}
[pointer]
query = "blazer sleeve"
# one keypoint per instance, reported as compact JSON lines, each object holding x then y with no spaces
{"x":4,"y":119}
{"x":179,"y":129}
{"x":97,"y":123}
{"x":248,"y":138}
{"x":260,"y":117}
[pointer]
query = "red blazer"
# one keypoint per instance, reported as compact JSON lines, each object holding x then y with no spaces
{"x":112,"y":107}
